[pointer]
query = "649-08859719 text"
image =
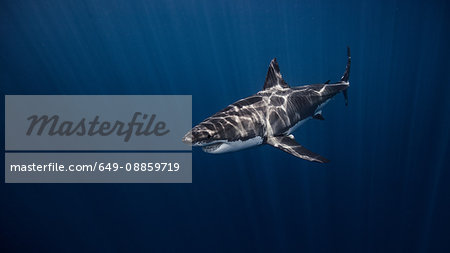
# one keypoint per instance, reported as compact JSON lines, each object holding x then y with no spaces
{"x":98,"y":166}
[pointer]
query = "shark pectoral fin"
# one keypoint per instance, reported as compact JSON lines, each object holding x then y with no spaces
{"x":289,"y":145}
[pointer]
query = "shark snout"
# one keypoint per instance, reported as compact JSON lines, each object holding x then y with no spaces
{"x":187,"y":138}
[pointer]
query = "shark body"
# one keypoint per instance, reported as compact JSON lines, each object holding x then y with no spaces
{"x":268,"y":117}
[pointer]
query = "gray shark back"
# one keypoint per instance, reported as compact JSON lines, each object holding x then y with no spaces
{"x":242,"y":120}
{"x":287,"y":107}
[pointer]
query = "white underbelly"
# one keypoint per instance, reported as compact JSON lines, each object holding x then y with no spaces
{"x":236,"y":145}
{"x":301,"y":122}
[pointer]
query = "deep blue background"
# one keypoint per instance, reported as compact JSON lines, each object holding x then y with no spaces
{"x":385,"y":190}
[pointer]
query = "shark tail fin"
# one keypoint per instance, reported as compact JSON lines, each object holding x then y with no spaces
{"x":346,"y":76}
{"x":345,"y":96}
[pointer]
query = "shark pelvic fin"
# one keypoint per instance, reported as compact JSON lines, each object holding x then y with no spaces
{"x":289,"y":145}
{"x":318,"y":116}
{"x":274,"y":78}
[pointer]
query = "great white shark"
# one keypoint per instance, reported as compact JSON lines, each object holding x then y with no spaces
{"x":268,"y":117}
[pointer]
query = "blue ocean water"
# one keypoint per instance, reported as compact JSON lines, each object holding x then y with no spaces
{"x":386,"y":188}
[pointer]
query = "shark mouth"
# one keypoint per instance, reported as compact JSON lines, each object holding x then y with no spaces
{"x":212,"y":147}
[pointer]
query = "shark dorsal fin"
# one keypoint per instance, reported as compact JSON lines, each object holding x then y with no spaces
{"x":274,"y":78}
